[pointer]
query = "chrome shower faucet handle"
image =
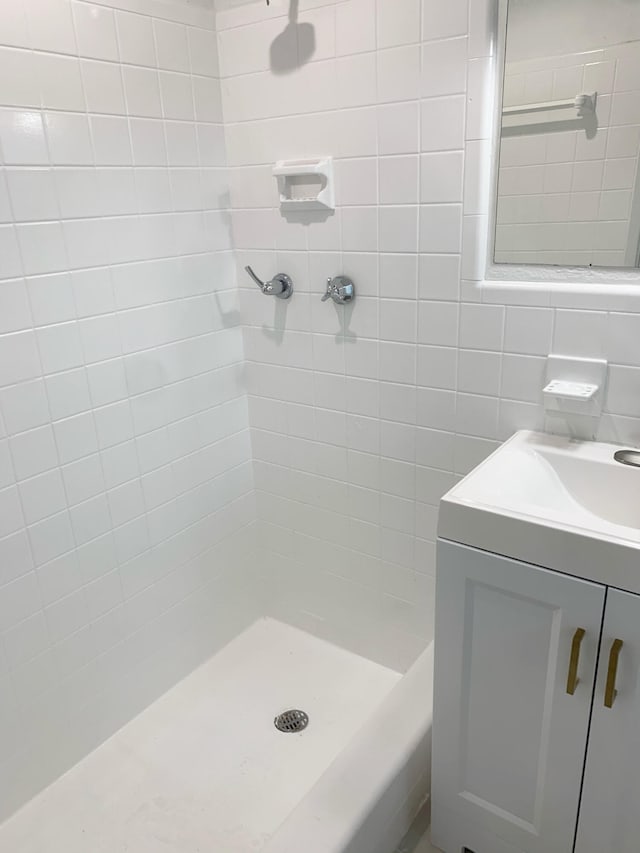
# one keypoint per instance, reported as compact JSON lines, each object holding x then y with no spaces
{"x":341,"y":289}
{"x":280,"y":285}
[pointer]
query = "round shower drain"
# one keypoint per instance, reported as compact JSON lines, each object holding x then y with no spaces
{"x":291,"y":721}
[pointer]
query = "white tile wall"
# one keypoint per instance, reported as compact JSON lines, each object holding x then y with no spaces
{"x":125,"y":461}
{"x":362,"y":418}
{"x":347,"y":424}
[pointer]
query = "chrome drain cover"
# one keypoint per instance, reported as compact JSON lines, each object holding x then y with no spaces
{"x":291,"y":721}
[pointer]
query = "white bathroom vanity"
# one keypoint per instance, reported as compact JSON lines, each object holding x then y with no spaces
{"x":537,"y":711}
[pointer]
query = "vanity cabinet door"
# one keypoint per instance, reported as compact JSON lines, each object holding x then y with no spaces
{"x":511,"y":715}
{"x":610,"y":809}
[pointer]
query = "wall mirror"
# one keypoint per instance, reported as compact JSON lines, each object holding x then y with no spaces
{"x":568,"y":190}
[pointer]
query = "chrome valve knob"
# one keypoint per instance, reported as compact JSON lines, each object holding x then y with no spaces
{"x":341,"y":289}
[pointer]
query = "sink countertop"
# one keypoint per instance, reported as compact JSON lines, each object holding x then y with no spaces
{"x":553,"y":502}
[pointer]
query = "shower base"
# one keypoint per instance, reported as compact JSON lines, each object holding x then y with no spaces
{"x":203,"y":769}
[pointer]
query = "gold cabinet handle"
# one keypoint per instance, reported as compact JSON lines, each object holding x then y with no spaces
{"x":610,"y":692}
{"x":572,"y":677}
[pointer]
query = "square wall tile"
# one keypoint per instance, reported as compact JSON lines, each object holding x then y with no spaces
{"x":20,"y":79}
{"x":398,"y":180}
{"x":444,"y":20}
{"x":440,"y":228}
{"x":111,"y":140}
{"x":7,"y":476}
{"x":15,"y":313}
{"x":397,"y":362}
{"x":19,"y":358}
{"x":26,"y":640}
{"x":398,"y":276}
{"x":171,"y":44}
{"x":11,"y":517}
{"x":24,"y":406}
{"x":528,"y":330}
{"x":60,"y":347}
{"x":398,"y":22}
{"x":482,"y":326}
{"x":621,"y":338}
{"x":103,"y":86}
{"x":398,"y":74}
{"x":76,"y":437}
{"x":148,"y":142}
{"x":142,"y":91}
{"x":360,"y":229}
{"x":33,"y":194}
{"x":397,"y":321}
{"x":135,"y":38}
{"x":42,"y":247}
{"x":68,"y":393}
{"x":439,"y":276}
{"x":83,"y":479}
{"x":399,"y":128}
{"x":10,"y":262}
{"x":442,"y":123}
{"x":96,"y":31}
{"x":69,"y":139}
{"x":33,"y":452}
{"x":355,"y":27}
{"x":20,"y":599}
{"x":5,"y":206}
{"x":356,"y":181}
{"x":203,"y":52}
{"x":177,"y":96}
{"x":579,"y":333}
{"x":22,"y":138}
{"x":42,"y":496}
{"x":444,"y":67}
{"x":51,"y":25}
{"x":13,"y":24}
{"x":622,"y":397}
{"x":479,"y":372}
{"x":438,"y":323}
{"x":398,"y":229}
{"x":441,"y":177}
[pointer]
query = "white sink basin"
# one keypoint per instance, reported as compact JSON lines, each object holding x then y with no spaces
{"x":567,"y":505}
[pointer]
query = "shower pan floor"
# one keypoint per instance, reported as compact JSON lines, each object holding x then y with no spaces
{"x":203,"y":769}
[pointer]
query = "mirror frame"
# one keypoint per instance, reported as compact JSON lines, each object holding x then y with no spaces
{"x":600,"y":286}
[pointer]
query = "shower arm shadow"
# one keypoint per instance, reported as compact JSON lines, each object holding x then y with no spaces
{"x":280,"y":285}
